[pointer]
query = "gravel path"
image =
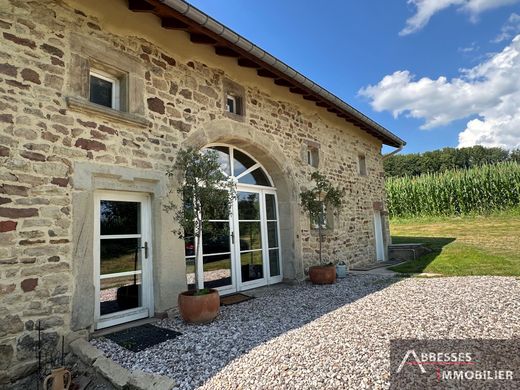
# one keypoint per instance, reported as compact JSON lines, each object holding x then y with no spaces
{"x":314,"y":337}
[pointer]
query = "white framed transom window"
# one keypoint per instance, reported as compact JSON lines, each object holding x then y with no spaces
{"x":104,"y":89}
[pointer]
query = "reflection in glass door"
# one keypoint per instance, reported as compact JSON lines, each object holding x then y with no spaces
{"x":216,"y":256}
{"x":122,"y":258}
{"x":249,"y":228}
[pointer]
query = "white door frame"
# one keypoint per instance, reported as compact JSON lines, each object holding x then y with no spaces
{"x":267,"y":279}
{"x":378,"y":235}
{"x":147,"y":308}
{"x":236,"y":274}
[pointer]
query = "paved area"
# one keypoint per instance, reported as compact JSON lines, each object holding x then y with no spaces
{"x":315,"y":337}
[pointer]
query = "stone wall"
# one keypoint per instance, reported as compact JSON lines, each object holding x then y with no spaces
{"x":42,"y":138}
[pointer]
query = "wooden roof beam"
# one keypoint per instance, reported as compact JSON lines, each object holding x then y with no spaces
{"x":312,"y":98}
{"x":140,"y":6}
{"x":322,"y":104}
{"x":173,"y":24}
{"x":266,"y":73}
{"x":283,"y":82}
{"x":297,"y":90}
{"x":202,"y":39}
{"x":225,"y":51}
{"x":247,"y":63}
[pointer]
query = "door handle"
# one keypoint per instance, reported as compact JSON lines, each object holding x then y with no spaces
{"x":145,"y":247}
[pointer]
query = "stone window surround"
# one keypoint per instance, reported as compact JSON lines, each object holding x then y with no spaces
{"x":168,"y":282}
{"x":239,"y":93}
{"x":90,"y":54}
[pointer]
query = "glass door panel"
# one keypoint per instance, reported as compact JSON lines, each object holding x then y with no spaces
{"x":217,"y":270}
{"x":273,"y":237}
{"x":122,"y":235}
{"x":251,"y":266}
{"x":216,"y":254}
{"x":250,"y":233}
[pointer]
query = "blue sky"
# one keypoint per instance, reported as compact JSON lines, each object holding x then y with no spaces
{"x":347,"y":46}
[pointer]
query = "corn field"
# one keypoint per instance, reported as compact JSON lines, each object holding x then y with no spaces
{"x":456,"y":192}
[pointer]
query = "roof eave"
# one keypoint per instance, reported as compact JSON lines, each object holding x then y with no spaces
{"x":179,"y":15}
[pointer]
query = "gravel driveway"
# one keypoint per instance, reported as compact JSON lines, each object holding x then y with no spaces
{"x":310,"y":337}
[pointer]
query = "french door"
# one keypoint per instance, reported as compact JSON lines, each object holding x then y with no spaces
{"x":122,"y":258}
{"x":243,"y":251}
{"x":256,"y":238}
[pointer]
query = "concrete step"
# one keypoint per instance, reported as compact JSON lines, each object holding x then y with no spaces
{"x":411,"y":251}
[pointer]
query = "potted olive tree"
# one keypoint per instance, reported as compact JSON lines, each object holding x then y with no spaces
{"x":316,"y":202}
{"x":204,"y":188}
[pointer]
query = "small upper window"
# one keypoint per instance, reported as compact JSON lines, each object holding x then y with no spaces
{"x":233,"y":104}
{"x":313,"y":156}
{"x":104,"y":89}
{"x":362,"y":165}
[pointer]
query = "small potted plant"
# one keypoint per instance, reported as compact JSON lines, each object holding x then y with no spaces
{"x":204,"y":188}
{"x":315,"y":201}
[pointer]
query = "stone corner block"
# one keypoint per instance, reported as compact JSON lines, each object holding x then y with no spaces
{"x":113,"y":372}
{"x":87,"y":353}
{"x":73,"y":336}
{"x":141,"y":380}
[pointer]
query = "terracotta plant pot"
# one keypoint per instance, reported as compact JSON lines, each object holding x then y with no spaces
{"x":322,"y":274}
{"x":199,"y":309}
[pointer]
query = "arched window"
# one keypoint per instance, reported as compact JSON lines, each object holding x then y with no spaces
{"x":244,"y":168}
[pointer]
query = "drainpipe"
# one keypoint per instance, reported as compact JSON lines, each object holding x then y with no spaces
{"x":385,"y":156}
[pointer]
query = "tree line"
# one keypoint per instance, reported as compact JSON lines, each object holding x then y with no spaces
{"x":441,"y":160}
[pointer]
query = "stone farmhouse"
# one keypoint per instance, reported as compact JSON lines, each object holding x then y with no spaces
{"x":96,"y":99}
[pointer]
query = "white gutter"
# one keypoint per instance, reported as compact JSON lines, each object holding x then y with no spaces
{"x":385,"y":156}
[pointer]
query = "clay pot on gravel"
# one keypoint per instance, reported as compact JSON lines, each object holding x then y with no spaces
{"x":322,"y":274}
{"x":197,"y":308}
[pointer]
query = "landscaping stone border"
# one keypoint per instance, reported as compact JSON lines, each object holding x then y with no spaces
{"x":119,"y":377}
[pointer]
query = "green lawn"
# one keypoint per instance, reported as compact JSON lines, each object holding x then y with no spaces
{"x":463,"y":245}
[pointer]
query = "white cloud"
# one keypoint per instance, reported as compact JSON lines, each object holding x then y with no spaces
{"x":425,"y":9}
{"x":489,"y":91}
{"x":509,"y":29}
{"x":469,"y":49}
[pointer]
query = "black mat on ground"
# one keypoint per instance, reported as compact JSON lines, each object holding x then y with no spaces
{"x":233,"y":299}
{"x":142,"y":337}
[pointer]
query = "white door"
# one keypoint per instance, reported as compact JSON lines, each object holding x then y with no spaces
{"x":122,"y":258}
{"x":243,"y":251}
{"x":378,"y":232}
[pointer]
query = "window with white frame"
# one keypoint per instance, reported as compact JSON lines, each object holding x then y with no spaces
{"x":104,"y":89}
{"x":313,"y":156}
{"x":234,"y":100}
{"x":362,"y":165}
{"x":233,"y":104}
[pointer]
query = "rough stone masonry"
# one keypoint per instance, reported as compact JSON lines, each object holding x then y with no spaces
{"x":43,"y":137}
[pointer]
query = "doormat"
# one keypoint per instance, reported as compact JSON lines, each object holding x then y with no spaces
{"x":233,"y":299}
{"x":142,"y":337}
